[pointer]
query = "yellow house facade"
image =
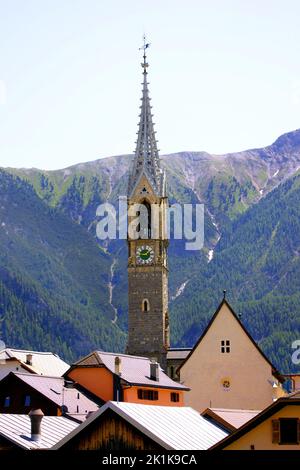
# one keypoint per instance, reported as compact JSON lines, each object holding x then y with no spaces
{"x":275,"y":428}
{"x":227,"y":369}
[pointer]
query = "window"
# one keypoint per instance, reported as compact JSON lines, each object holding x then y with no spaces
{"x":145,"y":305}
{"x":145,"y":215}
{"x":27,"y":400}
{"x":6,"y":402}
{"x":225,"y":346}
{"x":147,"y":394}
{"x":175,"y":397}
{"x":286,"y":431}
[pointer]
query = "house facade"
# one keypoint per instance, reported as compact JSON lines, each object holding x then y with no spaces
{"x":275,"y":428}
{"x":227,"y":369}
{"x":127,"y":378}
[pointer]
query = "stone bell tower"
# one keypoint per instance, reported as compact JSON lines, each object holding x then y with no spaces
{"x":148,"y":321}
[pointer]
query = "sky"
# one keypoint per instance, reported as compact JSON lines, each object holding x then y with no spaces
{"x":224,"y":76}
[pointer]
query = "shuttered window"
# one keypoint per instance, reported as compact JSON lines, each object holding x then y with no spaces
{"x":275,"y":431}
{"x":286,"y":431}
{"x":175,"y":397}
{"x":147,"y":394}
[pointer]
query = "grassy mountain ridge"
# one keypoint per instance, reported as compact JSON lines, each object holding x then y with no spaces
{"x":242,"y":178}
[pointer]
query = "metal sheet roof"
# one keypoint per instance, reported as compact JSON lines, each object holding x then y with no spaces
{"x":174,"y":428}
{"x":178,"y":353}
{"x":53,"y":388}
{"x":16,"y":428}
{"x":234,"y":417}
{"x":134,"y":369}
{"x":44,"y":363}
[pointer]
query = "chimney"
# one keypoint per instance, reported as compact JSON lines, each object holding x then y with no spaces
{"x":69,"y":384}
{"x":36,"y":417}
{"x":29,"y":359}
{"x":154,"y":370}
{"x":118,"y":366}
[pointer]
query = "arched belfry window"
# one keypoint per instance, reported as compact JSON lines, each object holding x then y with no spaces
{"x":145,"y":305}
{"x":146,"y":221}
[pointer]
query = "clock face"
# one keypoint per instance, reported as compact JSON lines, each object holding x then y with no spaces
{"x":144,"y":254}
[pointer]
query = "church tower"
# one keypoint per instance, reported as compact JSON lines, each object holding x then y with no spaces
{"x":148,"y":322}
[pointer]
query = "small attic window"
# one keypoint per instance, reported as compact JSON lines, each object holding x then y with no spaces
{"x":6,"y":402}
{"x":27,"y":400}
{"x":225,"y":346}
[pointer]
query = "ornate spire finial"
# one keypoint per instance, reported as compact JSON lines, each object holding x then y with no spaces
{"x":144,"y":47}
{"x":224,"y":294}
{"x":146,"y":160}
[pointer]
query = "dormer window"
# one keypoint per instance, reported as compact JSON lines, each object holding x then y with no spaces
{"x":225,"y":346}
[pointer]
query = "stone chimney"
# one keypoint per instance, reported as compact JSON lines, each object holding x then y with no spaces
{"x":36,"y":417}
{"x":154,"y":370}
{"x":118,"y":366}
{"x":29,"y":359}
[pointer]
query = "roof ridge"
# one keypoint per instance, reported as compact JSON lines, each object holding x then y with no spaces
{"x":38,"y":375}
{"x":179,"y":349}
{"x":123,"y":355}
{"x":235,"y":410}
{"x":33,"y":352}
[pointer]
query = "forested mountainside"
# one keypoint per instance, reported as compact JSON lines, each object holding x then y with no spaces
{"x":251,"y":249}
{"x":53,"y":278}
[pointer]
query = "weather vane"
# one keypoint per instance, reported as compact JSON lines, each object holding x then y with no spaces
{"x":144,"y":47}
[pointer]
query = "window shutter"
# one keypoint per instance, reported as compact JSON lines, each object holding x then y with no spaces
{"x":275,"y":431}
{"x":298,"y":431}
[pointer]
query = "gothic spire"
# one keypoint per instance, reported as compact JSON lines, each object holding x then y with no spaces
{"x":146,"y":160}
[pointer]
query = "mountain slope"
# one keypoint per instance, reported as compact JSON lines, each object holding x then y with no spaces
{"x":53,"y":278}
{"x":250,"y":248}
{"x":258,"y":261}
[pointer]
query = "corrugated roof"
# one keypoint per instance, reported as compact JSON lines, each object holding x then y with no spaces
{"x":178,"y":353}
{"x":16,"y":428}
{"x":44,"y":363}
{"x":174,"y":428}
{"x":235,"y":417}
{"x":53,"y":388}
{"x":136,"y":370}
